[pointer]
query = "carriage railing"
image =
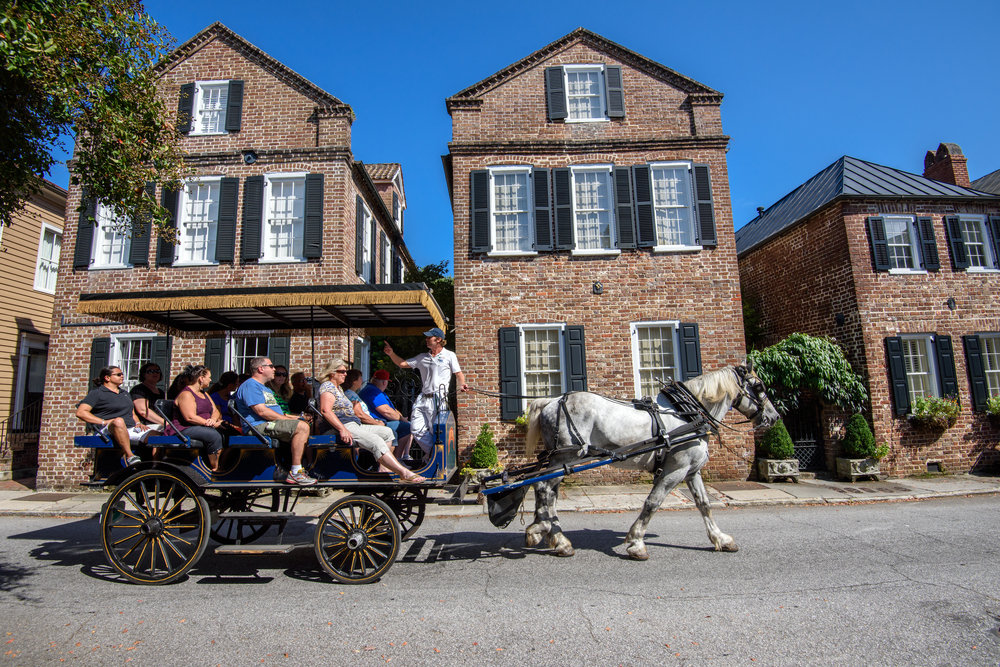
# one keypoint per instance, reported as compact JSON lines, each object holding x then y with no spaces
{"x":21,"y":428}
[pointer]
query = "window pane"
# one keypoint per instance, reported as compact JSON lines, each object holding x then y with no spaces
{"x":110,"y":247}
{"x":593,"y":210}
{"x":542,"y":363}
{"x":511,"y":219}
{"x":991,"y":362}
{"x":132,"y":354}
{"x":48,"y":263}
{"x":672,"y":205}
{"x":898,"y":235}
{"x":199,"y":222}
{"x":656,"y":357}
{"x":212,"y":108}
{"x":584,"y":94}
{"x":975,"y":245}
{"x":917,"y":368}
{"x":286,"y":206}
{"x":245,"y":348}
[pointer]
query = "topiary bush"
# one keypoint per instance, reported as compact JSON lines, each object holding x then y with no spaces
{"x":484,"y":453}
{"x":859,"y":441}
{"x":776,"y":443}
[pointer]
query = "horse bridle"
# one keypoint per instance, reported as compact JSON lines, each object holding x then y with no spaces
{"x":752,"y":393}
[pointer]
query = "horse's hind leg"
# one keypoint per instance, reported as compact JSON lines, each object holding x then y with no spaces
{"x":721,"y":541}
{"x":546,"y":523}
{"x":634,"y":545}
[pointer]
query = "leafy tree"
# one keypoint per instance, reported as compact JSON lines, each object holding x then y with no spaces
{"x":84,"y":68}
{"x":802,"y":362}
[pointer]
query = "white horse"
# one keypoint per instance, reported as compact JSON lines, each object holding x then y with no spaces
{"x":579,"y":421}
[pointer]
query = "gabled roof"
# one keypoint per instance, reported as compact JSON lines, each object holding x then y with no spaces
{"x":582,"y":35}
{"x":253,"y":54}
{"x":988,"y":183}
{"x":848,"y":177}
{"x":382,"y":171}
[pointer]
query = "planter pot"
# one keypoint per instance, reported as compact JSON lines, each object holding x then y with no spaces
{"x":770,"y":469}
{"x":851,"y":469}
{"x":931,"y":424}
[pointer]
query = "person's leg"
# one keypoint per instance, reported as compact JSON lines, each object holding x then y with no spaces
{"x":299,"y":440}
{"x":376,"y":439}
{"x":212,"y":440}
{"x":404,"y":439}
{"x":119,"y":434}
{"x":420,"y":422}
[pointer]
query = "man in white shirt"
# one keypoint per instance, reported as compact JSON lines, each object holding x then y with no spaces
{"x":436,"y":367}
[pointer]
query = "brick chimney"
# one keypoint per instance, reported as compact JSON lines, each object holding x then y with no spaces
{"x":947,"y":166}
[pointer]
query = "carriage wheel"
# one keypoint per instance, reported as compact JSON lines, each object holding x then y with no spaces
{"x":357,"y":539}
{"x":154,"y":528}
{"x":409,"y":506}
{"x":228,"y":531}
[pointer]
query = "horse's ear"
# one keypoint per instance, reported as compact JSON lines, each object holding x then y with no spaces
{"x":748,"y":363}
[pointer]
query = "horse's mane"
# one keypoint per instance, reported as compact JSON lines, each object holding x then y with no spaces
{"x":714,"y":386}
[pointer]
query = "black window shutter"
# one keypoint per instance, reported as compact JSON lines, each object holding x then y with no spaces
{"x":100,"y":349}
{"x":138,"y":253}
{"x":278,"y":350}
{"x":623,"y":207}
{"x":84,"y":234}
{"x":543,"y":209}
{"x":395,"y":208}
{"x":510,"y":373}
{"x":234,"y":106}
{"x":160,"y":355}
{"x":184,"y":107}
{"x":562,"y":194}
{"x":879,"y":244}
{"x":576,"y":359}
{"x":555,"y":92}
{"x":977,"y":372}
{"x":706,"y":213}
{"x":312,"y":242}
{"x":615,"y":91}
{"x":359,"y":236}
{"x":383,"y":252}
{"x":897,"y":374}
{"x":253,"y":218}
{"x":946,"y":366}
{"x":165,"y":251}
{"x":215,"y":356}
{"x":956,"y":246}
{"x":690,"y":347}
{"x":644,"y":222}
{"x":994,"y":228}
{"x":397,"y":268}
{"x":928,"y":246}
{"x":479,"y":211}
{"x":373,"y":276}
{"x":225,"y":235}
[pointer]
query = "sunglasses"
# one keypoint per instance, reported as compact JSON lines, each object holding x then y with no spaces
{"x":342,"y":370}
{"x":117,"y":375}
{"x":154,"y":370}
{"x":281,"y":375}
{"x":266,"y":366}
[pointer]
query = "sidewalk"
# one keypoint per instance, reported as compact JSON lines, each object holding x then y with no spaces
{"x":18,"y":499}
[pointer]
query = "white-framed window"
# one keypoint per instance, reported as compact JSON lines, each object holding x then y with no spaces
{"x":978,"y":245}
{"x":902,"y":238}
{"x":921,"y":371}
{"x":362,"y":357}
{"x":47,"y":264}
{"x":655,"y":354}
{"x":284,"y":217}
{"x":243,"y":349}
{"x":367,"y":251}
{"x":208,"y":109}
{"x":129,"y":352}
{"x":385,"y":263}
{"x":673,"y":206}
{"x":585,"y":100}
{"x":511,"y":211}
{"x":542,"y":355}
{"x":111,"y":247}
{"x":198,"y":221}
{"x":593,"y":207}
{"x":991,"y":363}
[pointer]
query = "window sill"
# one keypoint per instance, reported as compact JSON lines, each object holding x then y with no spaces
{"x":43,"y":290}
{"x":677,"y":248}
{"x":106,"y":267}
{"x":527,"y":253}
{"x":282,"y":260}
{"x":976,"y":269}
{"x":907,"y":272}
{"x":180,"y":263}
{"x":588,"y":120}
{"x":207,"y":134}
{"x":595,"y":253}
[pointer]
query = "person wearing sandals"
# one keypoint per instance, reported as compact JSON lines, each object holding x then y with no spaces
{"x":338,"y":411}
{"x":196,"y":415}
{"x":113,"y":413}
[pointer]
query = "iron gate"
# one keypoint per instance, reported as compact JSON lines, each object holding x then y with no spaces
{"x":803,"y":426}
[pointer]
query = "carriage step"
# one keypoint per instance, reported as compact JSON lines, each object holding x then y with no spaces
{"x":257,"y":518}
{"x":258,"y":549}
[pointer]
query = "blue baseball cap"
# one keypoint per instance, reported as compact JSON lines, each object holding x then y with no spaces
{"x":435,"y":332}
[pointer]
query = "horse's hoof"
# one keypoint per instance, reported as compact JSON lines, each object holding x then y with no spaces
{"x":565,"y":553}
{"x":731,"y":547}
{"x":532,"y":540}
{"x":637,"y":553}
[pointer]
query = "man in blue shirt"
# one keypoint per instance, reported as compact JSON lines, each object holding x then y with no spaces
{"x":257,"y":403}
{"x":380,"y":405}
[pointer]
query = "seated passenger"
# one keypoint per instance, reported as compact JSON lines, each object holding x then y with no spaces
{"x":301,"y":393}
{"x":282,"y":388}
{"x":113,"y":413}
{"x":196,"y":415}
{"x":260,"y":408}
{"x":144,"y":396}
{"x":338,"y":411}
{"x":351,"y":385}
{"x":221,"y":392}
{"x":379,"y":404}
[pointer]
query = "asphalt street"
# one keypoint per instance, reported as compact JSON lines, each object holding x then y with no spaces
{"x":912,"y":583}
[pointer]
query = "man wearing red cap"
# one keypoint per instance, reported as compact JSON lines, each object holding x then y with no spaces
{"x":374,"y":396}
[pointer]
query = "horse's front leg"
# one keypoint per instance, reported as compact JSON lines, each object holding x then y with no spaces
{"x":546,"y":521}
{"x":721,"y":541}
{"x":667,"y":482}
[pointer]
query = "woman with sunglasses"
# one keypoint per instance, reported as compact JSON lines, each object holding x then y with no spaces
{"x":112,"y":412}
{"x":145,"y":394}
{"x":281,"y":387}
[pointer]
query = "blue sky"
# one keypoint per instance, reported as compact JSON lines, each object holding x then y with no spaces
{"x":805,"y":83}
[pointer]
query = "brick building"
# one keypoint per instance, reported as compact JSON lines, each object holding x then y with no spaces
{"x":903,"y":271}
{"x":279,"y":212}
{"x":593,"y":235}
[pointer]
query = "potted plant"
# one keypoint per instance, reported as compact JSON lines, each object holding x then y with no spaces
{"x":861,"y":456}
{"x":776,"y":455}
{"x":934,"y":414}
{"x":993,"y":408}
{"x":483,"y":461}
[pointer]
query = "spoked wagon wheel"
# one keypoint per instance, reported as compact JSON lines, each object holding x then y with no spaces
{"x":357,"y":539}
{"x":154,"y":528}
{"x":230,"y":531}
{"x":408,"y":505}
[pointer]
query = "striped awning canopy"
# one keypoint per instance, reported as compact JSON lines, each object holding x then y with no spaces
{"x":399,"y":309}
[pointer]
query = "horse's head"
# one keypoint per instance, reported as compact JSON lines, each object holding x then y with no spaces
{"x":752,"y":401}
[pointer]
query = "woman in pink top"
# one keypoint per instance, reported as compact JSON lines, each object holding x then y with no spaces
{"x":196,"y":414}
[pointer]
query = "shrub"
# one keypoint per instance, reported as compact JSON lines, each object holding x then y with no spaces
{"x":934,"y":413}
{"x":993,"y":406}
{"x":484,"y":453}
{"x":859,"y":441}
{"x":776,"y":443}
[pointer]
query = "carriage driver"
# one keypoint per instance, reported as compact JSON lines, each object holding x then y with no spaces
{"x":436,"y":367}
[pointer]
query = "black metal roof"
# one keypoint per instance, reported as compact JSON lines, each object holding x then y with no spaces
{"x":988,"y":183}
{"x":847,"y":177}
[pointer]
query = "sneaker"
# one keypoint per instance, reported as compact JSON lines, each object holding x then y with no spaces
{"x":300,"y":478}
{"x":131,"y":461}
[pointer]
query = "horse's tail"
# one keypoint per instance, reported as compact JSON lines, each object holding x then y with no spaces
{"x":534,"y":423}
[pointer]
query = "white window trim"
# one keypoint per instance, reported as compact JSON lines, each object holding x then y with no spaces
{"x":915,"y":251}
{"x":674,"y":164}
{"x":181,"y":207}
{"x":230,"y":351}
{"x":987,"y":242}
{"x":634,"y":337}
{"x":930,"y":344}
{"x":38,"y":258}
{"x":94,"y":266}
{"x":599,"y":67}
{"x":576,"y":250}
{"x":196,"y":113}
{"x":518,"y":168}
{"x":558,"y":326}
{"x":114,"y":354}
{"x":265,"y":219}
{"x":362,"y":357}
{"x":368,"y":267}
{"x":987,"y":372}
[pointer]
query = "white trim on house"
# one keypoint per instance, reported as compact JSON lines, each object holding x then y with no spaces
{"x":601,"y":95}
{"x":293,"y":238}
{"x":606,"y":170}
{"x":919,"y":367}
{"x":118,"y":244}
{"x":674,"y":326}
{"x":913,"y":240}
{"x":523,"y":330}
{"x":183,"y":201}
{"x":219,"y":114}
{"x":527,"y":242}
{"x":51,"y":262}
